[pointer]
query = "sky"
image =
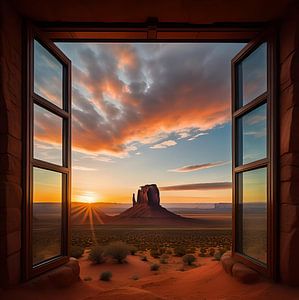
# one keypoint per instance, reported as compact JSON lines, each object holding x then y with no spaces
{"x":143,"y":113}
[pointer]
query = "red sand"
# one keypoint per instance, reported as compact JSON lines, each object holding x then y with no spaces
{"x":207,"y":281}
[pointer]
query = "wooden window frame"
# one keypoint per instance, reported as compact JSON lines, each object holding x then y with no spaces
{"x":154,"y":31}
{"x":31,"y":99}
{"x":270,"y":162}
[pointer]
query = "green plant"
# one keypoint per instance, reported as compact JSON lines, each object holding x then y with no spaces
{"x":179,"y":251}
{"x":189,"y":259}
{"x":77,"y":251}
{"x":203,"y":251}
{"x":155,"y":267}
{"x":164,"y":259}
{"x":217,"y":255}
{"x":118,"y":250}
{"x":144,"y":258}
{"x":135,"y":277}
{"x":106,"y":276}
{"x":133,"y":249}
{"x":87,"y":278}
{"x":96,"y":255}
{"x":211,"y":252}
{"x":155,"y":253}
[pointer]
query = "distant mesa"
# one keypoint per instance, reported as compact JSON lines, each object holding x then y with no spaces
{"x":147,"y":210}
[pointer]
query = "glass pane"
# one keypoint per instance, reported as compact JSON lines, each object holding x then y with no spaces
{"x":48,"y":75}
{"x":47,"y":215}
{"x":252,"y":214}
{"x":47,"y":136}
{"x":252,"y":136}
{"x":252,"y":76}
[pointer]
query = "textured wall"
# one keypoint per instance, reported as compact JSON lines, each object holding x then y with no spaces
{"x":289,"y":148}
{"x":10,"y":145}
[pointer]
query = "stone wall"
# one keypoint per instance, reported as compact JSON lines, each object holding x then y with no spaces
{"x":10,"y":145}
{"x":289,"y":148}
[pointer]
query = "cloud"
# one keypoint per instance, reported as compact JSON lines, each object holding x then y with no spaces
{"x":164,"y":145}
{"x":81,"y":168}
{"x":192,"y":168}
{"x":123,"y":93}
{"x":198,"y":186}
{"x":197,"y":135}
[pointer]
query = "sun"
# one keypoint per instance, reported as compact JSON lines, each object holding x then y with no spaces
{"x":88,"y":197}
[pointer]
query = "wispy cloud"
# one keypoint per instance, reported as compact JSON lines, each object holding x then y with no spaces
{"x":192,"y":168}
{"x":198,"y":186}
{"x":197,"y":135}
{"x":81,"y":168}
{"x":164,"y":144}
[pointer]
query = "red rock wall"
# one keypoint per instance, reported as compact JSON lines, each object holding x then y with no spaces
{"x":10,"y":145}
{"x":289,"y":148}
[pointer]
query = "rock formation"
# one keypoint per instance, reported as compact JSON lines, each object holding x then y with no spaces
{"x":148,"y":195}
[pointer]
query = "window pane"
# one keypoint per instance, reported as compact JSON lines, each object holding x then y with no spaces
{"x":252,"y":76}
{"x":252,"y":136}
{"x":48,"y":75}
{"x":47,"y":136}
{"x":252,"y":214}
{"x":47,"y":215}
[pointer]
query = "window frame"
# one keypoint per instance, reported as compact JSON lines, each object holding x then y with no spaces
{"x":31,"y":99}
{"x":270,"y":162}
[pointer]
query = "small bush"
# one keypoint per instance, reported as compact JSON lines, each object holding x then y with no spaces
{"x":155,"y":253}
{"x":211,"y":252}
{"x":169,"y":251}
{"x":155,"y":267}
{"x":202,"y":252}
{"x":191,"y":250}
{"x":144,"y":258}
{"x":164,"y":259}
{"x":106,"y":276}
{"x":179,"y":251}
{"x":77,"y":251}
{"x":135,"y":277}
{"x":118,"y":250}
{"x":96,"y":255}
{"x":217,"y":255}
{"x":87,"y":278}
{"x":189,"y":259}
{"x":133,"y":250}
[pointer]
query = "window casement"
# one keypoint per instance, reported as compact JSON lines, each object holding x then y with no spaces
{"x":253,"y":137}
{"x":48,"y":155}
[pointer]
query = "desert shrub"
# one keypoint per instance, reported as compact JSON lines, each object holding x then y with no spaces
{"x":169,"y":251}
{"x":87,"y":278}
{"x":144,"y":258}
{"x":155,"y":253}
{"x":106,"y":276}
{"x":211,"y":252}
{"x":222,"y":250}
{"x":133,"y":249}
{"x":162,"y":250}
{"x":135,"y":277}
{"x":96,"y":255}
{"x":189,"y":259}
{"x":164,"y":259}
{"x":118,"y":250}
{"x":202,"y":252}
{"x":217,"y":255}
{"x":191,"y":250}
{"x":155,"y":267}
{"x":77,"y":251}
{"x":179,"y":251}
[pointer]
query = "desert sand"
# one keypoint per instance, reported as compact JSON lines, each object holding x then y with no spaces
{"x":205,"y":280}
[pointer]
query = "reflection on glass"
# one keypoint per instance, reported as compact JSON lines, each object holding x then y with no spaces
{"x":252,"y":76}
{"x":252,"y":136}
{"x":48,"y":75}
{"x":47,"y":136}
{"x":252,"y":214}
{"x":47,"y":215}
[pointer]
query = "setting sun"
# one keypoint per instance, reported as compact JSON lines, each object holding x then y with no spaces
{"x":88,"y":197}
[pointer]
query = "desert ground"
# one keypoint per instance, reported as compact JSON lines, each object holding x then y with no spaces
{"x":173,"y":281}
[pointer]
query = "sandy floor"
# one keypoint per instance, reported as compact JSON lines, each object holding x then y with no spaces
{"x":206,"y":280}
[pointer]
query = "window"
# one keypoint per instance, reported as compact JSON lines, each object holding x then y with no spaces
{"x":253,"y":151}
{"x":48,"y":155}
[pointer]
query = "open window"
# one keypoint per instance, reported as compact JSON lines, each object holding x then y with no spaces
{"x":48,"y":154}
{"x":253,"y":117}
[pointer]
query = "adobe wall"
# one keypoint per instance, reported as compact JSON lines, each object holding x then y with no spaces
{"x":10,"y":145}
{"x":289,"y":148}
